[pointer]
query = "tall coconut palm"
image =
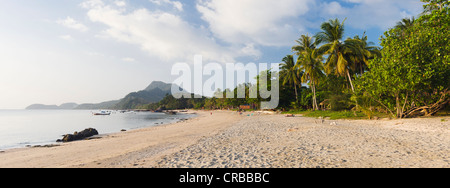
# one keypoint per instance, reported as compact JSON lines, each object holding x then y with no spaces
{"x":304,"y":42}
{"x":290,"y":74}
{"x":337,"y":62}
{"x":310,"y":62}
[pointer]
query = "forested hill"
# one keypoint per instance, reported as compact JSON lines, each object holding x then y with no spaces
{"x":154,"y":93}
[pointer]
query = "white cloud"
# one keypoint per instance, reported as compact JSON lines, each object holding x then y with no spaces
{"x":250,"y":50}
{"x":128,"y":59}
{"x":262,"y":22}
{"x":66,"y":37}
{"x":366,"y":14}
{"x":120,"y":3}
{"x":176,"y":4}
{"x":92,"y":3}
{"x":72,"y":24}
{"x":334,"y":8}
{"x":163,"y":35}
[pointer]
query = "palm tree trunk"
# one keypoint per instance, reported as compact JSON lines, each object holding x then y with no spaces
{"x":361,"y":69}
{"x":314,"y":97}
{"x":296,"y":93}
{"x":350,"y":79}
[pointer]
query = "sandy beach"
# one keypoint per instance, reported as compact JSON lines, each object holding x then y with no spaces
{"x":125,"y":149}
{"x":228,"y":140}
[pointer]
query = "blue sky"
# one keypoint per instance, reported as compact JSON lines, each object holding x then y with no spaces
{"x":57,"y":51}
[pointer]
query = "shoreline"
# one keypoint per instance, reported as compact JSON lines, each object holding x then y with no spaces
{"x":226,"y":139}
{"x":50,"y":136}
{"x":87,"y":153}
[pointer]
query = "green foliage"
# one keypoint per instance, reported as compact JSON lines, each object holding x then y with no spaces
{"x":219,"y":101}
{"x":340,"y":102}
{"x":409,"y":76}
{"x":310,"y":63}
{"x":332,"y":115}
{"x":290,"y":74}
{"x":336,"y":114}
{"x":433,"y":5}
{"x":413,"y":72}
{"x":344,"y":58}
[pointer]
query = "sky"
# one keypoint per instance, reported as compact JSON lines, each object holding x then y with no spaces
{"x":90,"y":51}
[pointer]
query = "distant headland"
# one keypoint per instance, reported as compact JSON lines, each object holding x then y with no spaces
{"x":155,"y":92}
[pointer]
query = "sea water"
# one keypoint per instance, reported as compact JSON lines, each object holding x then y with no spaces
{"x":22,"y":128}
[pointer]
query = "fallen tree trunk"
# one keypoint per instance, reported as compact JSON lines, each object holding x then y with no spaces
{"x":429,"y":110}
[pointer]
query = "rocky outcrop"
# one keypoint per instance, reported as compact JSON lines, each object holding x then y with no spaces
{"x":79,"y":135}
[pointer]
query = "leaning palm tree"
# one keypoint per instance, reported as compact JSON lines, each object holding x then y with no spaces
{"x":290,"y":74}
{"x":310,"y":62}
{"x":337,"y":62}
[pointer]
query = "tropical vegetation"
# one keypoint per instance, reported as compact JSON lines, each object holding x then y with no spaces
{"x":407,"y":76}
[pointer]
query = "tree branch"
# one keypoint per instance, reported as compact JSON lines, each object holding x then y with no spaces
{"x":382,"y":105}
{"x":404,"y":105}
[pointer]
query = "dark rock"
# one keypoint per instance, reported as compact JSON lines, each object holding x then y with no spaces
{"x":78,"y":135}
{"x":123,"y":130}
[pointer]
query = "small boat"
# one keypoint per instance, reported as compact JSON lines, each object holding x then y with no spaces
{"x":102,"y":113}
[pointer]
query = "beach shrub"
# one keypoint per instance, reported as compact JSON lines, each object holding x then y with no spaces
{"x":413,"y":75}
{"x":333,"y":115}
{"x":340,"y":102}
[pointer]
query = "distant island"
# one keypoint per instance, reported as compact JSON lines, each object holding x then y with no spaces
{"x":154,"y":93}
{"x":65,"y":106}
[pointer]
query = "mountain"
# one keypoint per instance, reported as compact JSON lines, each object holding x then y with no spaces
{"x":65,"y":106}
{"x":154,"y":93}
{"x":160,"y":85}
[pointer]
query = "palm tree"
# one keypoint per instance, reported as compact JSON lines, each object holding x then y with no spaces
{"x":304,"y":42}
{"x":310,"y":62}
{"x":361,"y":52}
{"x":337,"y":63}
{"x":405,"y":23}
{"x":290,"y":73}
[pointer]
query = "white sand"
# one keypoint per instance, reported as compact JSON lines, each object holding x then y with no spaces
{"x":277,"y":141}
{"x":226,"y":139}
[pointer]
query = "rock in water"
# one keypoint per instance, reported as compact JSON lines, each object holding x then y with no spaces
{"x":79,"y":135}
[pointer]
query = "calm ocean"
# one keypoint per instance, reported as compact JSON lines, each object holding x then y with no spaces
{"x":20,"y":128}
